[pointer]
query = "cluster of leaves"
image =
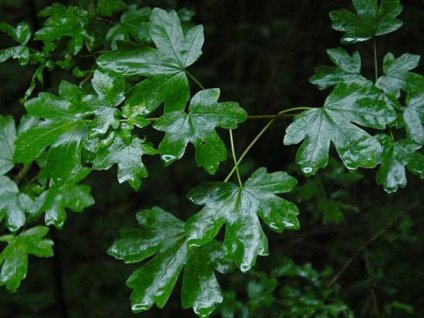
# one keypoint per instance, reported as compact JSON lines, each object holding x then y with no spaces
{"x":356,"y":101}
{"x":105,"y":119}
{"x":93,"y":127}
{"x":304,"y":294}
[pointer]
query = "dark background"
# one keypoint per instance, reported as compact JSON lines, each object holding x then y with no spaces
{"x":261,"y":54}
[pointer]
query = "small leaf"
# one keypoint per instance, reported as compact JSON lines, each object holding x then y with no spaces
{"x":396,"y":73}
{"x":347,"y":70}
{"x":108,"y":8}
{"x":371,"y":20}
{"x":128,"y":158}
{"x":14,"y":258}
{"x":65,"y":22}
{"x":240,"y":208}
{"x":13,"y":204}
{"x":7,"y":143}
{"x":198,"y":128}
{"x":395,"y":157}
{"x":21,"y":34}
{"x":133,"y":25}
{"x":55,"y":200}
{"x":20,"y":53}
{"x":345,"y":106}
{"x":162,"y":239}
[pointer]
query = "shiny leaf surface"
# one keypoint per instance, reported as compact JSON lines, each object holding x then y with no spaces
{"x":413,"y":114}
{"x":396,"y":72}
{"x":13,"y":204}
{"x":63,"y":130}
{"x":162,"y":240}
{"x":133,"y":24}
{"x":395,"y":157}
{"x":54,"y":201}
{"x":346,"y":107}
{"x":7,"y":143}
{"x":240,"y":208}
{"x":164,"y":66}
{"x":128,"y":157}
{"x":14,"y":258}
{"x":370,"y":20}
{"x":69,"y":22}
{"x":198,"y":128}
{"x":347,"y":70}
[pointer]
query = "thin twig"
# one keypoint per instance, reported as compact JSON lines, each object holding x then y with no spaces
{"x":234,"y":157}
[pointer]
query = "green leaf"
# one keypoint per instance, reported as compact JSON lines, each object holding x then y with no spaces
{"x":21,"y":34}
{"x":7,"y":143}
{"x":396,"y":73}
{"x":64,"y":130}
{"x":164,"y":66}
{"x":240,"y":208}
{"x":133,"y":24}
{"x":347,"y":70}
{"x":198,"y":128}
{"x":13,"y":204}
{"x":55,"y":200}
{"x":110,"y":93}
{"x":14,"y":258}
{"x":346,"y":106}
{"x":65,"y":22}
{"x":162,"y":239}
{"x":108,"y":8}
{"x":369,"y":21}
{"x":395,"y":157}
{"x":20,"y":53}
{"x":413,"y":114}
{"x":127,"y":155}
{"x":66,"y":127}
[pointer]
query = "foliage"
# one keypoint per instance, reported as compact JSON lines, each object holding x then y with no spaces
{"x":103,"y":116}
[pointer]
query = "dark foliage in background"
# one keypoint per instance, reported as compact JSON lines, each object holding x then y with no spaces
{"x":262,"y":55}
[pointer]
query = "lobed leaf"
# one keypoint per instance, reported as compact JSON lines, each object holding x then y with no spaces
{"x":369,"y":21}
{"x":347,"y":105}
{"x":14,"y":258}
{"x":240,"y":208}
{"x":162,"y":240}
{"x":198,"y":128}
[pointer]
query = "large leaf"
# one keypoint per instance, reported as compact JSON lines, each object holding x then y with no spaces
{"x":347,"y":70}
{"x":70,"y":22}
{"x":370,"y":20}
{"x":164,"y":66}
{"x":395,"y":157}
{"x":162,"y":238}
{"x":346,"y":106}
{"x":14,"y":257}
{"x":13,"y":204}
{"x":396,"y":72}
{"x":7,"y":143}
{"x":133,"y":24}
{"x":198,"y":128}
{"x":413,"y":114}
{"x":128,"y":156}
{"x":240,"y":209}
